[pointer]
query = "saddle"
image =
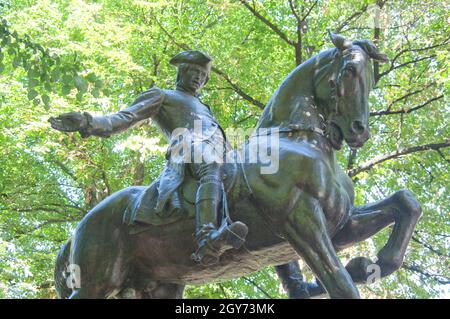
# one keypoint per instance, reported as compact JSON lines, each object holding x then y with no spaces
{"x":142,"y":212}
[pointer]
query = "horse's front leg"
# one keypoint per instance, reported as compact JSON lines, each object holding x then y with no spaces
{"x":305,"y":229}
{"x":400,"y":209}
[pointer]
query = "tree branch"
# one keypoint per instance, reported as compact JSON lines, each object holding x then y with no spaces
{"x":429,"y":247}
{"x":105,"y":180}
{"x":406,"y":111}
{"x":33,"y":229}
{"x":235,"y":87}
{"x":439,"y":278}
{"x":443,"y":157}
{"x":294,"y":12}
{"x":408,"y":95}
{"x":268,"y":23}
{"x":309,"y":11}
{"x":351,"y":158}
{"x":380,"y":159}
{"x":446,"y":41}
{"x":392,"y":68}
{"x":353,"y":16}
{"x":224,"y":292}
{"x":64,"y":168}
{"x":257,"y":287}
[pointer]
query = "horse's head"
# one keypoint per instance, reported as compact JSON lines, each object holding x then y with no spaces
{"x":342,"y":87}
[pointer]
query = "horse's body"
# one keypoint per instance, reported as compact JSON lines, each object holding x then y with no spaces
{"x":304,"y":209}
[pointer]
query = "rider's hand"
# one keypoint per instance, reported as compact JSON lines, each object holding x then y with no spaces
{"x":69,"y":122}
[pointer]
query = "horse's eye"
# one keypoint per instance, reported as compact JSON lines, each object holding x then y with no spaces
{"x":350,"y":69}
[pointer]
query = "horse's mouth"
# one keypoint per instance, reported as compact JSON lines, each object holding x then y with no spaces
{"x":359,"y":141}
{"x":336,"y":136}
{"x":355,"y":144}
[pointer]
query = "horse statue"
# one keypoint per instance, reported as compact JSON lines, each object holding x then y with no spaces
{"x":305,"y":209}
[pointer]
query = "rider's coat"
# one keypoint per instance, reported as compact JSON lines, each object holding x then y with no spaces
{"x":176,"y":113}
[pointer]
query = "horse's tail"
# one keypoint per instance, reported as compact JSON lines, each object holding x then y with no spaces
{"x":61,"y":271}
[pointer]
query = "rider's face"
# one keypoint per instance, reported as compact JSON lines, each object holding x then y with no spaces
{"x":194,"y":77}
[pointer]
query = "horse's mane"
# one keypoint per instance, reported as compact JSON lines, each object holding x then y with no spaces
{"x":315,"y":68}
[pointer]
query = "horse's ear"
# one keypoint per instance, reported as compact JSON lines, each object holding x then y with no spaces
{"x":339,"y":41}
{"x":371,"y":50}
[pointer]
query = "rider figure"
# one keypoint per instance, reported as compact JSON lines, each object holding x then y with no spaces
{"x":174,"y":110}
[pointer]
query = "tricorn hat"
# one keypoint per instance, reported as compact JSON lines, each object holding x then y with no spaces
{"x":195,"y":57}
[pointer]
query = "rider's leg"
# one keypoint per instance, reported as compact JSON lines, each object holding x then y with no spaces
{"x":213,"y":235}
{"x":208,"y":196}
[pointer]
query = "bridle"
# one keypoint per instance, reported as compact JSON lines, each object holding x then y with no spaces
{"x":324,"y":127}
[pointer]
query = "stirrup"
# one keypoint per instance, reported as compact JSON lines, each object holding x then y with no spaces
{"x":216,"y":242}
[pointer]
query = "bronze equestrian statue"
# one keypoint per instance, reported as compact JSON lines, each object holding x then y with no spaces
{"x":305,"y":209}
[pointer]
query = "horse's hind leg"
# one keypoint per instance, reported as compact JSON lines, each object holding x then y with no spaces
{"x":292,"y":280}
{"x":305,"y":229}
{"x":159,"y":290}
{"x":144,"y":288}
{"x":403,"y":210}
{"x":100,"y":253}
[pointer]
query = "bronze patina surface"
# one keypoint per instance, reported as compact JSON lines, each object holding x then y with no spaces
{"x":305,"y":209}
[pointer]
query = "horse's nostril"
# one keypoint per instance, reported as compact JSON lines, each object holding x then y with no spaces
{"x":358,"y":127}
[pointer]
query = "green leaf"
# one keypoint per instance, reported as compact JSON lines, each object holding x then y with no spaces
{"x":98,"y":84}
{"x":48,"y":86}
{"x":32,"y":94}
{"x":91,"y":77}
{"x":33,"y":82}
{"x":79,"y":96}
{"x":33,"y":73}
{"x":2,"y":67}
{"x":67,"y":79}
{"x":46,"y":99}
{"x":16,"y":62}
{"x":6,"y":40}
{"x":95,"y":92}
{"x":66,"y":89}
{"x":80,"y":83}
{"x":55,"y":74}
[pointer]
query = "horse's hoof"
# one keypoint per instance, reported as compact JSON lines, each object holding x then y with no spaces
{"x":358,"y":268}
{"x":389,"y":261}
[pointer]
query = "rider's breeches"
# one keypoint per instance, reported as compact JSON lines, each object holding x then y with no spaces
{"x":208,"y":195}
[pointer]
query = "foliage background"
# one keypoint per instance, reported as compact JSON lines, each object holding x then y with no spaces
{"x":74,"y":55}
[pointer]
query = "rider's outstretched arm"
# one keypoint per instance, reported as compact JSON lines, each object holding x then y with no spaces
{"x":145,"y":106}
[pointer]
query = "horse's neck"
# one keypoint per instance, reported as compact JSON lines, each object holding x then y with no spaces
{"x":293,"y":107}
{"x":293,"y":96}
{"x":294,"y":101}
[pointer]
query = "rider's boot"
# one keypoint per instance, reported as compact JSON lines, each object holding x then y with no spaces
{"x":213,"y":242}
